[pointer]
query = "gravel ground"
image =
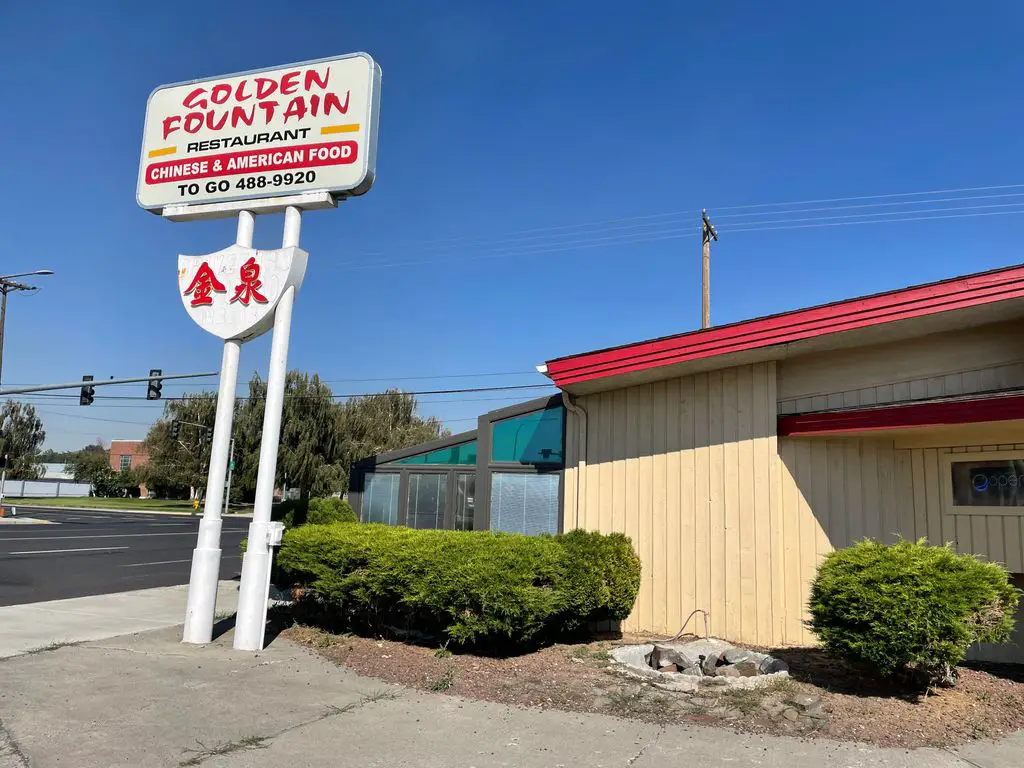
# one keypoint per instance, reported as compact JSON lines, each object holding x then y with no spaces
{"x":986,"y":703}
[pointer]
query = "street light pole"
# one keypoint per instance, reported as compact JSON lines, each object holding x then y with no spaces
{"x":6,"y":286}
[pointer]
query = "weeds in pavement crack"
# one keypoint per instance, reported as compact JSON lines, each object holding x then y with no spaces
{"x":262,"y":742}
{"x":227,"y":748}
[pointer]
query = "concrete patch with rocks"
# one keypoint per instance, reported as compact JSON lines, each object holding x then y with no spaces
{"x":687,"y":667}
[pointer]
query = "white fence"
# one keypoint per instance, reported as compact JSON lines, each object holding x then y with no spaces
{"x":45,"y":489}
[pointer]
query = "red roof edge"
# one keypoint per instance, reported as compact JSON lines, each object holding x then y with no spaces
{"x":797,"y":325}
{"x":970,"y":411}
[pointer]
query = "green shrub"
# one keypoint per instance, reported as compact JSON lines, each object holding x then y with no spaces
{"x":473,"y":587}
{"x":296,"y":512}
{"x":909,"y":607}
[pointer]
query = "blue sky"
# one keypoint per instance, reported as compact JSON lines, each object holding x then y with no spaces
{"x":520,"y":145}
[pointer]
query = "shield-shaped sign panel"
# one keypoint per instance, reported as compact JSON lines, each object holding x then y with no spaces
{"x":233,"y":293}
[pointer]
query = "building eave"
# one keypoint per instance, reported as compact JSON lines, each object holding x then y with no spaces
{"x":907,"y":311}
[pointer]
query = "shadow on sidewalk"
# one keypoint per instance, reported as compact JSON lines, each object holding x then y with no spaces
{"x":225,"y":625}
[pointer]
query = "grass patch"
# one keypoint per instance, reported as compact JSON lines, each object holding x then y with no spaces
{"x":227,"y":748}
{"x":96,"y":502}
{"x":55,"y":645}
{"x":626,"y":704}
{"x":746,"y":701}
{"x":445,"y":682}
{"x":443,"y":652}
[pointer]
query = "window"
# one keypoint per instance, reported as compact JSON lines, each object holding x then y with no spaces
{"x":534,"y":438}
{"x":985,"y":483}
{"x":465,"y":498}
{"x":126,"y":462}
{"x":428,"y":497}
{"x":993,"y":483}
{"x":524,"y":502}
{"x":457,"y":454}
{"x":380,"y":498}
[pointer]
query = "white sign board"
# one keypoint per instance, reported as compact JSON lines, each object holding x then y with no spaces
{"x":303,"y":127}
{"x":233,"y":293}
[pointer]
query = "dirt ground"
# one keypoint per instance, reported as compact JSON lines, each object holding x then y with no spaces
{"x":986,"y":703}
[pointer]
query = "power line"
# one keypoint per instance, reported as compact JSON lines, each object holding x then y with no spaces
{"x":878,"y":221}
{"x":928,"y":201}
{"x":945,"y":209}
{"x":556,"y":234}
{"x":869,"y":197}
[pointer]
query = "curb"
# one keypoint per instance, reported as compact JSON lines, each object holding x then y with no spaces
{"x":197,"y":514}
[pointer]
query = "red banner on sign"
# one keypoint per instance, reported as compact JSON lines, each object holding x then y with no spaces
{"x":254,"y":161}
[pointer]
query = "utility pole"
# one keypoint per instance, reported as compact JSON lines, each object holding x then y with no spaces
{"x":707,"y":234}
{"x":6,"y":286}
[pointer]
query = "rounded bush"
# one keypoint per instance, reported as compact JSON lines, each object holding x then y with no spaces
{"x":474,"y":587}
{"x":909,"y":607}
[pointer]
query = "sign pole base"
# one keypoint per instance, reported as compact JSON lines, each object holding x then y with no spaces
{"x":202,"y":587}
{"x":250,"y":623}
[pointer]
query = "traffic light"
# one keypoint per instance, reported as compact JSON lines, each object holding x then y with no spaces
{"x":175,"y":430}
{"x":88,"y":393}
{"x":155,"y":386}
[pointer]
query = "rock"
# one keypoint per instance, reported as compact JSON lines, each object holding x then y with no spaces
{"x":774,"y":708}
{"x":709,"y":647}
{"x":728,"y":671}
{"x":663,"y":655}
{"x":771,"y":665}
{"x":709,"y":664}
{"x":805,"y":702}
{"x":791,"y":714}
{"x":694,"y":670}
{"x":668,"y":668}
{"x":735,"y":655}
{"x":745,"y":669}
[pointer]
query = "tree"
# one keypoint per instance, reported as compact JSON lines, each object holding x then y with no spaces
{"x":21,"y":437}
{"x":93,"y":467}
{"x":320,"y":437}
{"x":308,"y":457}
{"x":179,"y":467}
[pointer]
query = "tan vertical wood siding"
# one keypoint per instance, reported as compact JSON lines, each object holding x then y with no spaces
{"x":687,"y":469}
{"x":731,"y":519}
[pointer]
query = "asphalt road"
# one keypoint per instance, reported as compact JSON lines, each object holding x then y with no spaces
{"x":95,"y":553}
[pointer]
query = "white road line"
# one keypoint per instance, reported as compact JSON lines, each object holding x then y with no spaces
{"x":158,"y":562}
{"x":102,"y":536}
{"x":58,"y":551}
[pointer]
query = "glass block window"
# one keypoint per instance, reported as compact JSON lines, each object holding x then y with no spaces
{"x":380,"y":498}
{"x":456,"y":454}
{"x":428,"y":497}
{"x":534,"y":438}
{"x":524,"y":503}
{"x":465,"y":498}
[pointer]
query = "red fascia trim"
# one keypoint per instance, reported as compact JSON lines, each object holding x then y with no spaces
{"x":1001,"y":408}
{"x":788,"y":327}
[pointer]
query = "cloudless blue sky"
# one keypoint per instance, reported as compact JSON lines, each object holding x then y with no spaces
{"x":498,"y":118}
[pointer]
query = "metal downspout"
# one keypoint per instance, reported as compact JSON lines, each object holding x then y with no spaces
{"x":581,"y":460}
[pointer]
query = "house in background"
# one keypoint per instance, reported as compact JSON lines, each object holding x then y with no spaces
{"x":736,"y":457}
{"x":129,"y":454}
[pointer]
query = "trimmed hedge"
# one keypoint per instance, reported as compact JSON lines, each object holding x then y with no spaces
{"x":474,"y":587}
{"x":296,"y":512}
{"x":910,"y":607}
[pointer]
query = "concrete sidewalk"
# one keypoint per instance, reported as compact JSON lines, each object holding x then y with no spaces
{"x":32,"y":626}
{"x":149,"y":702}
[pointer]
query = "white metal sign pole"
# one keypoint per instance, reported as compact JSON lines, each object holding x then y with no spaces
{"x":202,"y":588}
{"x":256,"y":563}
